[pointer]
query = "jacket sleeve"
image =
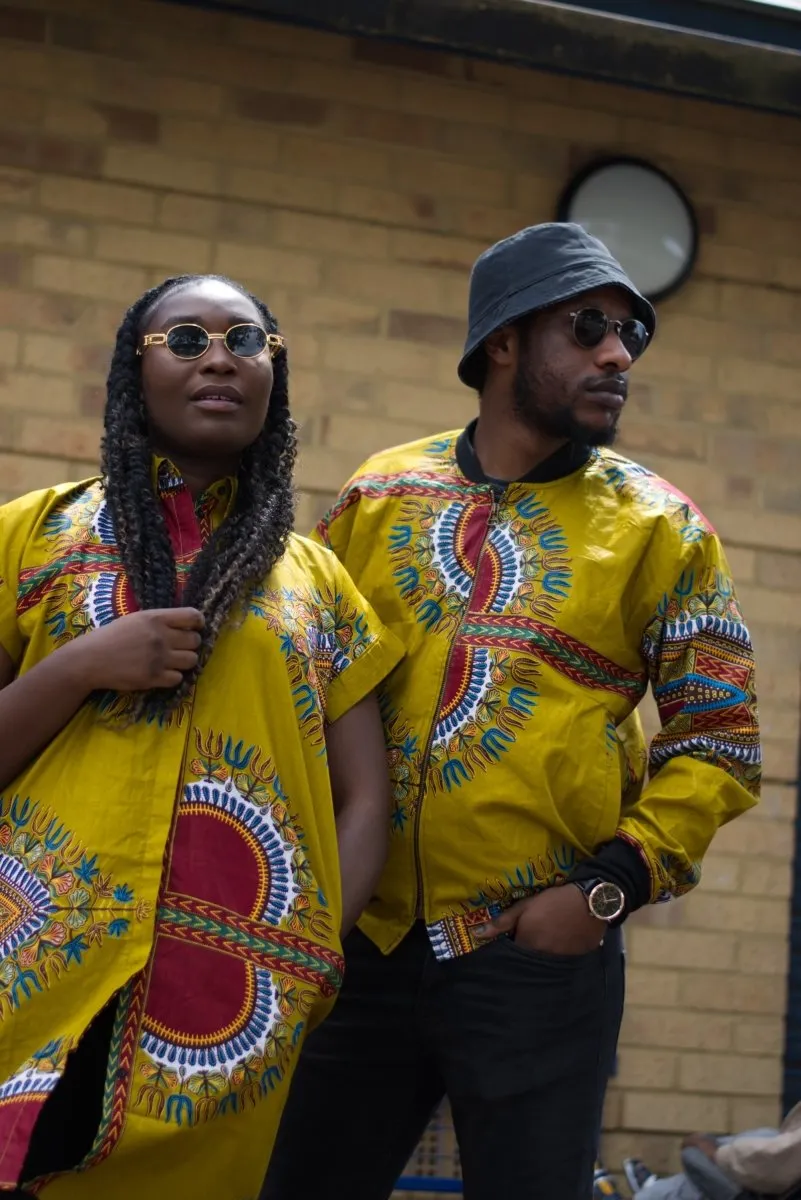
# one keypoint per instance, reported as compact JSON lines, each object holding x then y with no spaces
{"x":705,"y":762}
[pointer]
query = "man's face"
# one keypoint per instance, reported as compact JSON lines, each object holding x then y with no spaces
{"x":563,"y":390}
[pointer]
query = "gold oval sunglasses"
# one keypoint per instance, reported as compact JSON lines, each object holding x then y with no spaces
{"x":187,"y":341}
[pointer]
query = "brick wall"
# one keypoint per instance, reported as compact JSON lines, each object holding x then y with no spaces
{"x":352,"y":184}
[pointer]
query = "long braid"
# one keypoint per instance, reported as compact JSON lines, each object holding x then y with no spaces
{"x":245,"y":548}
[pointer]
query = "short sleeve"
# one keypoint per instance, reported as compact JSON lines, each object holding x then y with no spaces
{"x":365,"y":651}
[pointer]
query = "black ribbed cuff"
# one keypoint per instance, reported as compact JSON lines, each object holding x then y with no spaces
{"x":620,"y":863}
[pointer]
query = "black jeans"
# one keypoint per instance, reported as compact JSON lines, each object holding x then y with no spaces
{"x":522,"y":1043}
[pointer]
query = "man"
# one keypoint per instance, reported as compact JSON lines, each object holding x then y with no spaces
{"x":539,"y":581}
{"x":766,"y":1162}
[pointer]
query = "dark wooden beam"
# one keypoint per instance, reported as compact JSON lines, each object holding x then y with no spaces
{"x":579,"y":41}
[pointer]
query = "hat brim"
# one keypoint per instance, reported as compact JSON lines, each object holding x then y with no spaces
{"x":536,"y":298}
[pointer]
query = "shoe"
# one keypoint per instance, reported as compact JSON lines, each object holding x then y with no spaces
{"x":604,"y":1186}
{"x":638,"y":1176}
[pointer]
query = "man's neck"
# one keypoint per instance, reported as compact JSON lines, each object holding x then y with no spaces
{"x":509,"y":450}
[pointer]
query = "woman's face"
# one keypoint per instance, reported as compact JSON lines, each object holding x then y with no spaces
{"x":213,"y":407}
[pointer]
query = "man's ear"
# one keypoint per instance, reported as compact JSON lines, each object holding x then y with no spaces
{"x":501,"y":346}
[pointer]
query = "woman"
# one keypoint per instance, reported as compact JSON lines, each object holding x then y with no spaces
{"x":189,"y":737}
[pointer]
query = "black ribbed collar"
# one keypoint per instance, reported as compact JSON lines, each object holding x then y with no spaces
{"x":562,"y":462}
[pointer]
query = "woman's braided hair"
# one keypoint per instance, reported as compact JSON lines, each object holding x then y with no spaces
{"x":252,"y":539}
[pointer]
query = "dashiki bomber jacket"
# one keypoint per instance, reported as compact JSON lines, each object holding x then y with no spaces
{"x":534,"y":616}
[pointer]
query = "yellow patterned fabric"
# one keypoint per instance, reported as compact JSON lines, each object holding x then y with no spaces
{"x":188,"y":865}
{"x":534,"y":618}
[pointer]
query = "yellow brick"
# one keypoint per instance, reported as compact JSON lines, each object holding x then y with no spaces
{"x":760,"y":1035}
{"x":97,"y":280}
{"x":664,"y":361}
{"x":344,"y":432}
{"x":348,"y":82}
{"x":772,"y":608}
{"x":450,"y":101}
{"x":763,"y":955}
{"x":72,"y":118}
{"x":651,"y":987}
{"x":535,"y":193}
{"x":680,"y":440}
{"x":273,"y":266}
{"x":681,"y":947}
{"x":660,"y":1151}
{"x":254,"y":183}
{"x":189,"y":214}
{"x":434,"y":250}
{"x":754,"y":528}
{"x":755,"y":1114}
{"x":17,"y":188}
{"x":326,"y":312}
{"x":777,"y":803}
{"x":29,"y":391}
{"x":24,"y":68}
{"x":23,"y":473}
{"x":780,"y":757}
{"x":683,"y":1113}
{"x":331,"y":234}
{"x":319,"y":158}
{"x":445,"y":178}
{"x":730,"y":1073}
{"x":185,"y":95}
{"x":311,"y":506}
{"x":418,"y":289}
{"x":90,"y":198}
{"x":648,"y":1068}
{"x":677,"y":1030}
{"x":46,"y":352}
{"x":323,"y":470}
{"x":158,"y":168}
{"x":781,"y":419}
{"x":705,"y":335}
{"x":417,"y":209}
{"x":231,"y":142}
{"x":742,"y":563}
{"x":741,"y":914}
{"x":304,"y":350}
{"x":44,"y":233}
{"x":9,"y":348}
{"x":118,"y":243}
{"x":736,"y":263}
{"x":378,"y":357}
{"x":752,"y":304}
{"x":555,"y":120}
{"x":75,"y":439}
{"x":451,"y":409}
{"x":718,"y":991}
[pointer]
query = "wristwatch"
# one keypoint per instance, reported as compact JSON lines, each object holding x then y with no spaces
{"x":605,"y":900}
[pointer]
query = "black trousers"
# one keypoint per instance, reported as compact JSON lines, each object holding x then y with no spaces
{"x":522,"y":1043}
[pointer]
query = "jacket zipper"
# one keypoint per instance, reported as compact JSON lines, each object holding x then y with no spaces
{"x":418,"y":867}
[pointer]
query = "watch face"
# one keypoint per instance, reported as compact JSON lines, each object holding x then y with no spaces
{"x":606,"y":901}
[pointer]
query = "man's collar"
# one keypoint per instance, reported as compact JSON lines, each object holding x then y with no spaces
{"x":562,"y":462}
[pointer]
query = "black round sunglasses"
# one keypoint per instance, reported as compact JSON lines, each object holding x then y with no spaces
{"x":591,"y":326}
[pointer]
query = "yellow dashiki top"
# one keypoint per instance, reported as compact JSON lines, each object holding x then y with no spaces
{"x":187,"y":866}
{"x":534,"y":616}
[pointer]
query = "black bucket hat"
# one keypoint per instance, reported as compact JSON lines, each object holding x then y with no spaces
{"x":535,"y":269}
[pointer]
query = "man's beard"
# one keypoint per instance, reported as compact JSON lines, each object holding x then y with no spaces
{"x":555,"y":420}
